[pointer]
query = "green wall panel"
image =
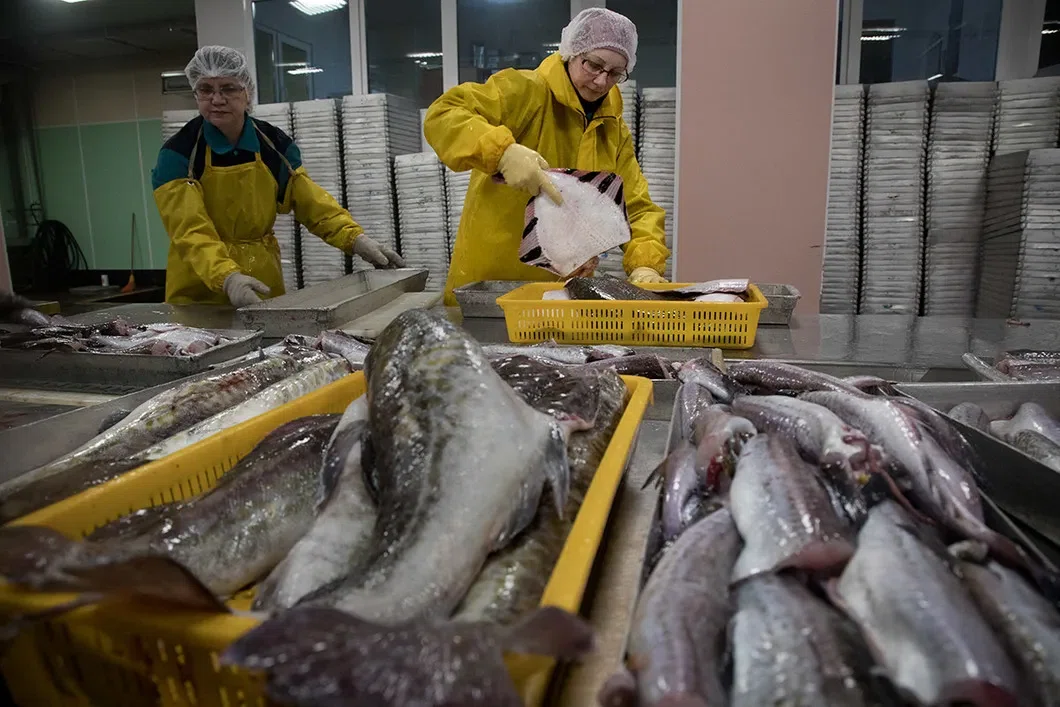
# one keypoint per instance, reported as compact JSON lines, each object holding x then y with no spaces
{"x":64,"y":188}
{"x":150,"y":144}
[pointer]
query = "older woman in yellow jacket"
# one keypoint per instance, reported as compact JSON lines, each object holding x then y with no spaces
{"x":219,"y":184}
{"x":565,"y":113}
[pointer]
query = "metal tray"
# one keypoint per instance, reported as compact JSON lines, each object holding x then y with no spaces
{"x":782,"y":301}
{"x":123,"y":372}
{"x":329,"y":304}
{"x":479,"y":299}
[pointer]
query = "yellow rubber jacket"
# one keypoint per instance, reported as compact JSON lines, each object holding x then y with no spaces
{"x":222,"y":222}
{"x":470,"y":127}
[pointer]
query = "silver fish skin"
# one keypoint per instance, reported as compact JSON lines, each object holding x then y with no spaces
{"x":605,"y":287}
{"x":871,"y":384}
{"x":790,"y":648}
{"x":681,"y":616}
{"x":922,"y":623}
{"x":1030,"y":416}
{"x":784,"y":513}
{"x":983,"y":369}
{"x":972,"y":415}
{"x":692,"y":401}
{"x":341,"y":534}
{"x":164,"y":415}
{"x":461,"y":463}
{"x":1028,"y":624}
{"x":1038,"y":447}
{"x":552,"y":352}
{"x":703,"y":372}
{"x":681,"y":480}
{"x":342,"y":344}
{"x":774,"y":377}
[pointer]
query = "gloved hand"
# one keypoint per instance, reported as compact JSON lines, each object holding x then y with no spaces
{"x":524,"y":169}
{"x":641,"y":276}
{"x":377,"y":255}
{"x":243,"y":290}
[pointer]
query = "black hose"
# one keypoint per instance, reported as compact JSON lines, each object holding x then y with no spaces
{"x":54,"y":254}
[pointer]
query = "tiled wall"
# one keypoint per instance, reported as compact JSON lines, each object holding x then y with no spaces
{"x":98,"y":132}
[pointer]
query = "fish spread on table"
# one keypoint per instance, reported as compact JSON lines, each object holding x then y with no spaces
{"x":117,"y":336}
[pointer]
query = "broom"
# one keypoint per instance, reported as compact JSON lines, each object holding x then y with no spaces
{"x":131,"y":284}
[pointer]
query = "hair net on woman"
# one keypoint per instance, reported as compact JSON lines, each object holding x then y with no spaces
{"x":597,"y":28}
{"x":213,"y":62}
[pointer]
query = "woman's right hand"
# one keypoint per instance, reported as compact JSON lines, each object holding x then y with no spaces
{"x":524,"y":169}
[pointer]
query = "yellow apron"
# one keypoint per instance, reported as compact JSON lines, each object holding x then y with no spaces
{"x":241,"y":202}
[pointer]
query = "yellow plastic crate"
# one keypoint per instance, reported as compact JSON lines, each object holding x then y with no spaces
{"x":531,"y":319}
{"x":130,"y":655}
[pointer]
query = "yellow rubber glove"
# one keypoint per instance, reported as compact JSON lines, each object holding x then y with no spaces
{"x":641,"y":276}
{"x":524,"y":169}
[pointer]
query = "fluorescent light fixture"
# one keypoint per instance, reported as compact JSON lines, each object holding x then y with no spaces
{"x":936,"y":76}
{"x":305,"y":70}
{"x":167,"y":74}
{"x":1050,"y":31}
{"x":883,"y":30}
{"x":550,"y":44}
{"x":424,"y":55}
{"x":317,"y":7}
{"x":73,"y":1}
{"x":295,"y":64}
{"x":880,"y":37}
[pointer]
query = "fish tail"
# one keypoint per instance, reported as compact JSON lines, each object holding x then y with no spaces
{"x":550,"y":631}
{"x":620,"y":690}
{"x":656,"y":476}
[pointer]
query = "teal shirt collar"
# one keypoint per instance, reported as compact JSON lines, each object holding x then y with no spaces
{"x":218,"y":143}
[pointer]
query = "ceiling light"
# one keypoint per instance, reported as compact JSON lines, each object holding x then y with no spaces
{"x":936,"y":76}
{"x":317,"y":7}
{"x":424,"y":55}
{"x":165,"y":74}
{"x":885,"y":30}
{"x":305,"y":70}
{"x":72,"y":1}
{"x":1050,"y":31}
{"x":880,"y":37}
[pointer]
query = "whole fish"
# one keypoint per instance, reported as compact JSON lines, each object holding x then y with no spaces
{"x":679,"y":623}
{"x":606,"y":287}
{"x":871,"y":384}
{"x":721,"y":436}
{"x":972,"y":415}
{"x":1037,"y":447}
{"x":702,"y":371}
{"x":228,"y":537}
{"x":682,"y":481}
{"x":773,"y":377}
{"x":513,"y":580}
{"x":163,"y":416}
{"x":692,"y":401}
{"x":1024,"y":364}
{"x":790,"y":648}
{"x":783,"y":512}
{"x":1030,"y":416}
{"x":650,"y":366}
{"x":349,"y":347}
{"x":843,"y":452}
{"x":19,"y":310}
{"x":551,"y":352}
{"x":1027,"y":623}
{"x":316,"y":657}
{"x":461,"y":463}
{"x":341,"y":535}
{"x":923,"y":625}
{"x":943,"y":430}
{"x":983,"y":369}
{"x":189,"y":340}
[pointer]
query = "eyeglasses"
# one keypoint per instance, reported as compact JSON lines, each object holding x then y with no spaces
{"x":228,"y":92}
{"x":596,"y":68}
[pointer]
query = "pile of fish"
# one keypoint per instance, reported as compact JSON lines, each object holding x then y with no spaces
{"x":411,"y":537}
{"x":1032,"y":430}
{"x":117,"y":336}
{"x":1018,"y":365}
{"x":608,"y":287}
{"x":170,"y":421}
{"x":821,"y":545}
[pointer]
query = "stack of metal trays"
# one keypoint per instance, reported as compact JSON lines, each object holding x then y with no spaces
{"x":962,"y":119}
{"x":174,"y":120}
{"x":456,"y":186}
{"x":630,"y":107}
{"x":375,"y":128}
{"x":316,"y":129}
{"x":1028,"y":114}
{"x":893,"y":210}
{"x":285,"y":228}
{"x":842,"y":238}
{"x":1020,"y":256}
{"x":658,"y":140}
{"x":421,"y":212}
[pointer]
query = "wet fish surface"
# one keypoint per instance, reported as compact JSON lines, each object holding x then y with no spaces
{"x":1030,"y":416}
{"x":606,"y":287}
{"x":927,"y":631}
{"x":461,"y":464}
{"x":702,"y":371}
{"x":692,"y":401}
{"x":972,"y":415}
{"x":1037,"y":447}
{"x":678,"y":628}
{"x":349,"y":347}
{"x":784,"y":513}
{"x":720,"y":438}
{"x":774,"y":377}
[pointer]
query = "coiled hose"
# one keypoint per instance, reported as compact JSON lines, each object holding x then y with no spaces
{"x":55,"y":254}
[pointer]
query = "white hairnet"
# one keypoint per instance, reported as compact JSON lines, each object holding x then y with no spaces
{"x":597,"y":28}
{"x":212,"y":62}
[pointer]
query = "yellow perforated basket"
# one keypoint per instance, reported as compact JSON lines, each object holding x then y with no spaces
{"x":531,"y":319}
{"x":127,"y":655}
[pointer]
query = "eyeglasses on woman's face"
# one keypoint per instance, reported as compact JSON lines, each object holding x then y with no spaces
{"x":596,"y":67}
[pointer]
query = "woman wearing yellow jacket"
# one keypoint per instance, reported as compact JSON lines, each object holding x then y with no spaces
{"x":219,"y":184}
{"x":566,"y":113}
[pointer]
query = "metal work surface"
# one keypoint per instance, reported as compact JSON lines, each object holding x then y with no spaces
{"x":479,"y":299}
{"x":330,"y":304}
{"x":15,"y":413}
{"x":122,"y":369}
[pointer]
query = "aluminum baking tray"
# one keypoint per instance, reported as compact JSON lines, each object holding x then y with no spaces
{"x":782,"y":301}
{"x":479,"y":299}
{"x":124,"y":372}
{"x":329,"y":304}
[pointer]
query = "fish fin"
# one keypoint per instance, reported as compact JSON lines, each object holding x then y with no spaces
{"x":112,"y":419}
{"x":150,"y":578}
{"x":550,"y":631}
{"x":656,"y":476}
{"x":620,"y":690}
{"x":557,"y":467}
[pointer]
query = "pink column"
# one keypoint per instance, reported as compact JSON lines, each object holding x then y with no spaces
{"x":754,"y":131}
